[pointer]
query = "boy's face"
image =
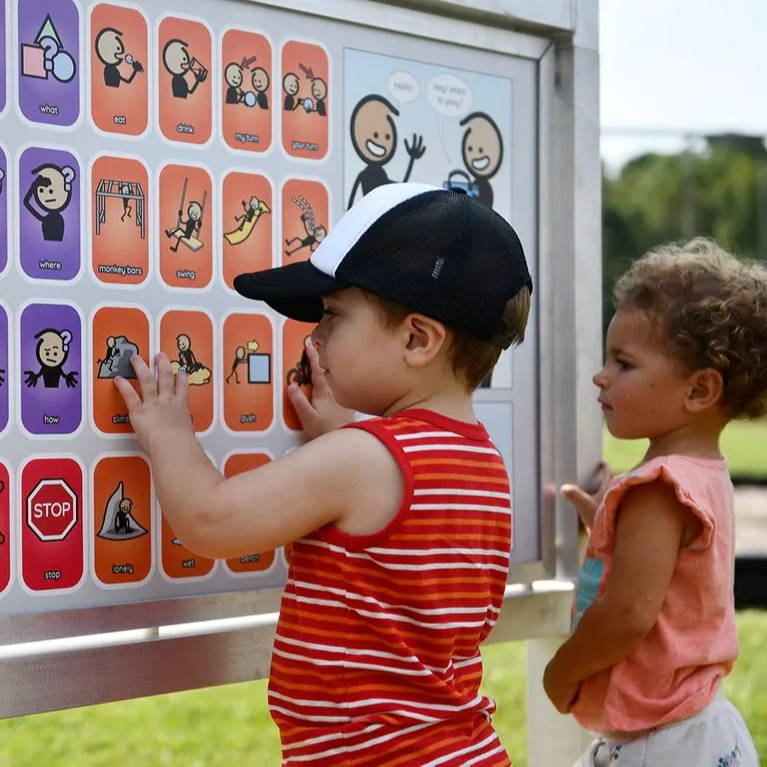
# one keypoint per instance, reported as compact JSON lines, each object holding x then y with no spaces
{"x":642,"y":388}
{"x":360,"y":355}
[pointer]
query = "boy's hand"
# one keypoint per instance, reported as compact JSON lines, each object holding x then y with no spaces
{"x":562,"y":691}
{"x":323,"y":413}
{"x":587,"y":496}
{"x":162,"y":408}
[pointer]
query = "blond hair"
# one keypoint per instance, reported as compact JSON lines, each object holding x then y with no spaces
{"x":711,"y":312}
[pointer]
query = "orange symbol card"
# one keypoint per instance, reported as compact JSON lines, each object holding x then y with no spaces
{"x":117,"y":333}
{"x":295,"y":366}
{"x":184,"y":90}
{"x":249,"y":363}
{"x":247,"y":224}
{"x":304,"y":100}
{"x":246,"y":90}
{"x":257,"y":562}
{"x":305,"y":218}
{"x":187,"y":338}
{"x":185,"y":228}
{"x":120,"y":220}
{"x":122,"y":520}
{"x":178,"y":561}
{"x":119,"y":84}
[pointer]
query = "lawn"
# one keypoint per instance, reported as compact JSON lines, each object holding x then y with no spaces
{"x":744,"y":444}
{"x":222,"y":726}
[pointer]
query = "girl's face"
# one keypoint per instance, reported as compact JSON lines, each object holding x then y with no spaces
{"x":642,"y":388}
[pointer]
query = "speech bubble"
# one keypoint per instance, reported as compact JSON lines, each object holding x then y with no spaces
{"x":403,"y":86}
{"x":449,"y":95}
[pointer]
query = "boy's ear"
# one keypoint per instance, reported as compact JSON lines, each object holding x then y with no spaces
{"x":424,"y":339}
{"x":706,"y":388}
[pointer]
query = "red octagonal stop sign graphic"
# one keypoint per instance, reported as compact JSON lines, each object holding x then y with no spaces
{"x":52,"y":509}
{"x":52,"y":540}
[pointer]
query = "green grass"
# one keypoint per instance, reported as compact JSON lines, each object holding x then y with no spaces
{"x":224,"y":726}
{"x":744,"y":444}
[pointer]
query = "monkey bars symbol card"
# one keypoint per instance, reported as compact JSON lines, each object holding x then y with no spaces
{"x":49,"y":67}
{"x":118,"y":58}
{"x":49,"y":214}
{"x":119,"y":220}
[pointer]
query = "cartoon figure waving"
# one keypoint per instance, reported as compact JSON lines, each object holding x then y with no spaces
{"x":374,"y":138}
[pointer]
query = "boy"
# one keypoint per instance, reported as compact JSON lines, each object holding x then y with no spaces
{"x":401,"y":524}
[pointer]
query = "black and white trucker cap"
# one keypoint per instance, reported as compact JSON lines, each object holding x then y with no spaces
{"x":435,"y":251}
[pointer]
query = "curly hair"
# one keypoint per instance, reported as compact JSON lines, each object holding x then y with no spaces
{"x":711,"y":312}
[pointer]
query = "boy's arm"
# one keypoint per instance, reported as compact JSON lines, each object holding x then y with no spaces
{"x":327,"y":480}
{"x":650,"y":525}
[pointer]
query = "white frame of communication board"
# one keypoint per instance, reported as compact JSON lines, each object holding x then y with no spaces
{"x":195,"y":641}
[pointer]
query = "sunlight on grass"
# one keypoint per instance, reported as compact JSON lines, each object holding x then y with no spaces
{"x":744,"y":444}
{"x":223,"y":726}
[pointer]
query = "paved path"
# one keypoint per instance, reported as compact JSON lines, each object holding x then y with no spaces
{"x":751,"y":519}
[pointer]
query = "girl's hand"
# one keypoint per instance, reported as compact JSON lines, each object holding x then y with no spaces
{"x":323,"y":413}
{"x":561,"y":691}
{"x":162,"y":410}
{"x":588,"y":494}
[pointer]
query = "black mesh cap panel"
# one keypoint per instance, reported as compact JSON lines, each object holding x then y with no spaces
{"x":445,"y":255}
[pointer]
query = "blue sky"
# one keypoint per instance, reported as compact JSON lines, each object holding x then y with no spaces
{"x":680,"y":66}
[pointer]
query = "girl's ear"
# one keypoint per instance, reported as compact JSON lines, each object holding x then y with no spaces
{"x":424,"y":338}
{"x":706,"y":388}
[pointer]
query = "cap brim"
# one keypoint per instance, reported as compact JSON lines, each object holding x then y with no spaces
{"x":294,"y":290}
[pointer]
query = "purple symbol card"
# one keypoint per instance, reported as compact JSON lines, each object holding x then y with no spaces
{"x":3,"y":211}
{"x":49,"y":68}
{"x":4,"y":385}
{"x":2,"y":58}
{"x":50,"y":371}
{"x":49,"y":213}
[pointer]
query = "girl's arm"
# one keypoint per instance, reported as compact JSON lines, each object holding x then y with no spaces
{"x":650,"y":527}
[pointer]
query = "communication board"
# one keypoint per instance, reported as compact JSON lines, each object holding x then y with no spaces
{"x":149,"y":153}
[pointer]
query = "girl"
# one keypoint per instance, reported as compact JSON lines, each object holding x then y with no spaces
{"x":654,"y":610}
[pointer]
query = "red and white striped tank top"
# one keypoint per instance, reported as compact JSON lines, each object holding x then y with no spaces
{"x":376,"y":661}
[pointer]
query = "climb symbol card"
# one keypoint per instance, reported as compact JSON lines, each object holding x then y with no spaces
{"x":185,"y":228}
{"x":117,"y":334}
